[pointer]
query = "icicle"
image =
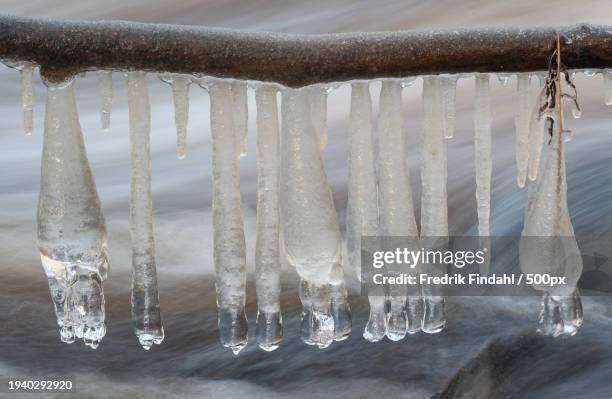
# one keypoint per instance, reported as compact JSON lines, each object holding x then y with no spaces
{"x":317,"y":98}
{"x":105,"y":92}
{"x":607,"y":80}
{"x":145,"y":299}
{"x":521,"y":123}
{"x":448,"y":87}
{"x":362,"y":211}
{"x":71,"y":226}
{"x":229,"y":244}
{"x":548,"y":245}
{"x":483,"y":162}
{"x":434,"y":212}
{"x":310,"y":233}
{"x":26,"y":73}
{"x":180,"y":96}
{"x":482,"y":143}
{"x":396,"y":210}
{"x":240,"y":115}
{"x":536,"y":131}
{"x":267,"y":255}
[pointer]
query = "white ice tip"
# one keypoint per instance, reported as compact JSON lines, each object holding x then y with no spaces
{"x":237,"y":348}
{"x":267,"y":347}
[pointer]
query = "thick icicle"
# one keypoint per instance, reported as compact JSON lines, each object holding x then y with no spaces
{"x":267,"y":250}
{"x":482,"y":144}
{"x":607,"y":80}
{"x":396,"y":209}
{"x":228,"y":237}
{"x":71,"y":226}
{"x":105,"y":92}
{"x":309,"y":227}
{"x":180,"y":96}
{"x":362,"y":210}
{"x":548,"y":245}
{"x":145,"y":298}
{"x":434,"y":212}
{"x":317,"y":97}
{"x":536,"y":132}
{"x":240,"y":115}
{"x":448,"y":87}
{"x":521,"y":123}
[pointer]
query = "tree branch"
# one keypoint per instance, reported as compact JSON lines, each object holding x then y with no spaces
{"x":62,"y":49}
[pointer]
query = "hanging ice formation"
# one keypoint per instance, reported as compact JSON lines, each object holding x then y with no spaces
{"x":105,"y":93}
{"x":434,"y":213}
{"x":145,"y":298}
{"x":71,"y":226}
{"x":548,"y":244}
{"x":317,"y":98}
{"x":536,"y":133}
{"x":310,"y":233}
{"x":267,"y":249}
{"x":180,"y":96}
{"x":240,"y":115}
{"x":521,"y":123}
{"x":448,"y":87}
{"x":362,"y":210}
{"x":396,"y":218}
{"x":228,"y":136}
{"x":483,"y":162}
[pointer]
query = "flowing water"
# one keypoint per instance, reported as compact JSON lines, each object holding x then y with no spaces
{"x":497,"y":332}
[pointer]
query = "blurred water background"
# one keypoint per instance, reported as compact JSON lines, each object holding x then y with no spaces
{"x":493,"y":336}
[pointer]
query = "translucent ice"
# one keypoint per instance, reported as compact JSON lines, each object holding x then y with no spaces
{"x":536,"y":132}
{"x":317,"y":97}
{"x":180,"y":95}
{"x":434,"y":212}
{"x":71,"y":226}
{"x":240,"y":115}
{"x":309,"y":227}
{"x":521,"y":123}
{"x":145,"y":298}
{"x":267,"y":250}
{"x":448,"y":87}
{"x":396,"y":212}
{"x":607,"y":80}
{"x":483,"y":162}
{"x":362,"y":210}
{"x":482,"y":156}
{"x":228,"y":237}
{"x":105,"y":92}
{"x":548,"y":245}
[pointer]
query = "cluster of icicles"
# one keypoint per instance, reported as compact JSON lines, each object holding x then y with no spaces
{"x":296,"y":218}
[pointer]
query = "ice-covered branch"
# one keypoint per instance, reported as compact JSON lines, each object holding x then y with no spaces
{"x":65,"y":48}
